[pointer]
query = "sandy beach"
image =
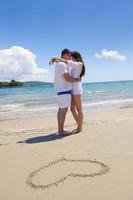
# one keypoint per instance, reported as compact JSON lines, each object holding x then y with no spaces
{"x":96,"y":164}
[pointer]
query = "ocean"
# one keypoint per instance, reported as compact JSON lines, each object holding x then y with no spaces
{"x":40,"y":99}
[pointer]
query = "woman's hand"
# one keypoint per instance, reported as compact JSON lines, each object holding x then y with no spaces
{"x":52,"y":60}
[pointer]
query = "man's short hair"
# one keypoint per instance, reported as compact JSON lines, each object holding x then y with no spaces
{"x":65,"y":51}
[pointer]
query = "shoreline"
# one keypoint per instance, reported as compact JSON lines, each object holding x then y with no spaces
{"x":51,"y":110}
{"x":42,"y":121}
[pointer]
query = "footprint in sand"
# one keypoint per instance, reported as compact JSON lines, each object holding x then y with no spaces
{"x":56,"y":172}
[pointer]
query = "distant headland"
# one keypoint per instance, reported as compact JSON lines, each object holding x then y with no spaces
{"x":12,"y":83}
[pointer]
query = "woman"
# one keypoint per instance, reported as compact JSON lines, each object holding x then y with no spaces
{"x":77,"y":70}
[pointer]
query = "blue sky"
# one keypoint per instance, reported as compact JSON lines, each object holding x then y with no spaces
{"x":89,"y":26}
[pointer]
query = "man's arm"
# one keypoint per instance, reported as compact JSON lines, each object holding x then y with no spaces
{"x":56,"y":59}
{"x":65,"y":74}
{"x":70,"y":79}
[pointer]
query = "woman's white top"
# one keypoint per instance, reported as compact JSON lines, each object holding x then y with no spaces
{"x":75,"y":69}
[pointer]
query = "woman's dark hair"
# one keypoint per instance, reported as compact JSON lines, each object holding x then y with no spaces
{"x":65,"y":51}
{"x":77,"y":56}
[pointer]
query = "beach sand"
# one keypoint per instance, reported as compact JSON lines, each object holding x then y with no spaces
{"x":97,"y":164}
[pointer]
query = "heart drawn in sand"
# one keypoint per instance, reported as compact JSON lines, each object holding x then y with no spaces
{"x":103,"y":170}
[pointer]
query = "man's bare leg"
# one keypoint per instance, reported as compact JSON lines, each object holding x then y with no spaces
{"x":61,"y":115}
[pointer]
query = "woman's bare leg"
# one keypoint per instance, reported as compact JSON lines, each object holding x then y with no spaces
{"x":78,"y":105}
{"x":74,"y":111}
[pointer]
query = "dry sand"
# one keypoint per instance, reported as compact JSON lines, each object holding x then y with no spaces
{"x":97,"y":164}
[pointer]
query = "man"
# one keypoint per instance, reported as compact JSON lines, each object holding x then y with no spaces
{"x":63,"y":86}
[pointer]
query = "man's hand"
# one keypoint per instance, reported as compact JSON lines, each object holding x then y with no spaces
{"x":79,"y":79}
{"x":76,"y":79}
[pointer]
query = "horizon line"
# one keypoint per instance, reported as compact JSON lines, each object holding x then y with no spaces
{"x":83,"y":82}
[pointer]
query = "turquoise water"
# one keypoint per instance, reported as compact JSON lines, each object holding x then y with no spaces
{"x":41,"y":99}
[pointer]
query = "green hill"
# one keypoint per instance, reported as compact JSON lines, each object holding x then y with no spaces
{"x":12,"y":83}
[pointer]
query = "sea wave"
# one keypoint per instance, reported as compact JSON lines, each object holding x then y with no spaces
{"x":112,"y":101}
{"x":12,"y":111}
{"x":95,"y":91}
{"x":8,"y":107}
{"x":34,"y":107}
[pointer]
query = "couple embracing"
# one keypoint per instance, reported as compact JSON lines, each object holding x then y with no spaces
{"x":69,"y":70}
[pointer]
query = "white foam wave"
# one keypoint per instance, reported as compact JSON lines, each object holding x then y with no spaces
{"x":9,"y":107}
{"x":21,"y":109}
{"x":114,"y":101}
{"x":93,"y":91}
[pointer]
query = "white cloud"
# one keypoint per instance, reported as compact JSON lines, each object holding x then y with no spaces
{"x":111,"y":54}
{"x":20,"y":64}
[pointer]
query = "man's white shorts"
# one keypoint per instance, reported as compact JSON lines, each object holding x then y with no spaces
{"x":64,"y":100}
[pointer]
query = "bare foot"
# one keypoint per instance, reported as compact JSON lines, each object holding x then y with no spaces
{"x":73,"y":131}
{"x":77,"y":130}
{"x":64,"y":133}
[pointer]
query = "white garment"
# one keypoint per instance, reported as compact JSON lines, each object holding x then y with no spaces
{"x":64,"y":101}
{"x":75,"y":69}
{"x":60,"y":83}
